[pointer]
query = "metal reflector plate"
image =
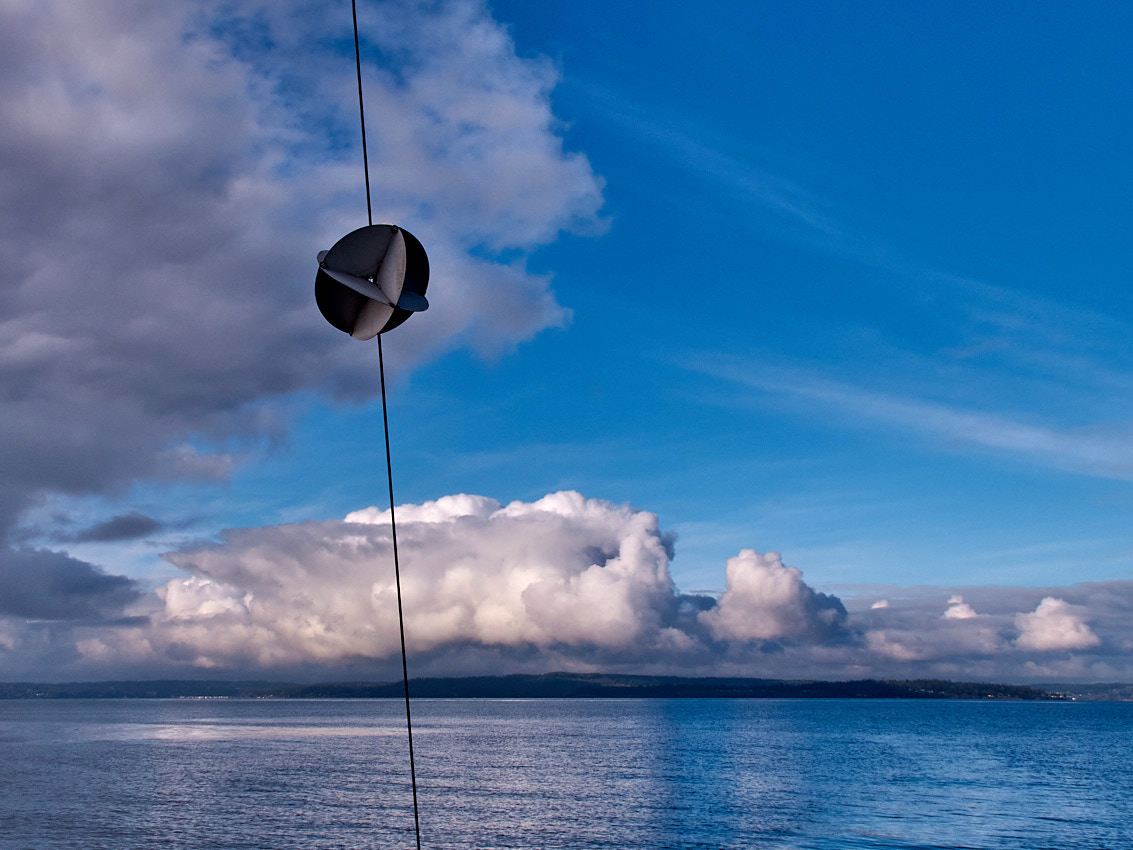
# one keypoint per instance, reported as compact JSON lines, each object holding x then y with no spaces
{"x":354,"y":304}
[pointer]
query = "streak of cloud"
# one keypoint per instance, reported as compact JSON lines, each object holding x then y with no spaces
{"x":709,"y":158}
{"x":1011,"y":347}
{"x":1087,"y":451}
{"x":129,"y":526}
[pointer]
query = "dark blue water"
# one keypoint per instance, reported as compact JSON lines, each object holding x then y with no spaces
{"x":566,"y":774}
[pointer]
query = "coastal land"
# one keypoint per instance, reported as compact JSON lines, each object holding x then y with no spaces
{"x":564,"y":686}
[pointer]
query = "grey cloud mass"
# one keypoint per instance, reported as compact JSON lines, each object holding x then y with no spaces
{"x":159,"y":226}
{"x":37,"y":584}
{"x":129,"y":526}
{"x":165,"y":184}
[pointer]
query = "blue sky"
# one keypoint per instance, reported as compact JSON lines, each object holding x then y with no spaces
{"x":841,"y":281}
{"x":909,"y":204}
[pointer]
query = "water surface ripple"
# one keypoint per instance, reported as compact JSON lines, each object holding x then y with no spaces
{"x":578,"y":774}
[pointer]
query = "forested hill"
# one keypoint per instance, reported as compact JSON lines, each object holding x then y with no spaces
{"x":549,"y":685}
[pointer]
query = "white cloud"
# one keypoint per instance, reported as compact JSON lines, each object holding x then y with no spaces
{"x":564,"y":570}
{"x":958,"y":609}
{"x":472,"y":126}
{"x":1055,"y":625}
{"x":765,"y":600}
{"x":443,"y":509}
{"x":581,"y":581}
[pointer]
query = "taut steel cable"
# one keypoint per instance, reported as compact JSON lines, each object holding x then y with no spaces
{"x":389,"y":462}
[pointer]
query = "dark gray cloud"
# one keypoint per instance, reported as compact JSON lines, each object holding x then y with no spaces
{"x":42,"y":585}
{"x":129,"y":526}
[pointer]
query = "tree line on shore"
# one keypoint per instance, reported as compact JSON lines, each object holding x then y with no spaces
{"x":555,"y":686}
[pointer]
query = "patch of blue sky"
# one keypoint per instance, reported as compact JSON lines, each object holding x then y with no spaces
{"x":843,"y":309}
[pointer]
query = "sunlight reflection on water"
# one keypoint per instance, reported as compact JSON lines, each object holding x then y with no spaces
{"x":227,"y":732}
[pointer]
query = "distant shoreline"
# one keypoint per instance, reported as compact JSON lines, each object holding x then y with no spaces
{"x":567,"y":686}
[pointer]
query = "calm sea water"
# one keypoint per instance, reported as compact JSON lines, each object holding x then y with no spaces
{"x":576,"y":774}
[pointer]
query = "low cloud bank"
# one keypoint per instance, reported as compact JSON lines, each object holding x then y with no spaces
{"x":564,"y":582}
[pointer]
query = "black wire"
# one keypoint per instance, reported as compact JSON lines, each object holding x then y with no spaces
{"x":361,"y":110}
{"x":389,"y":462}
{"x":397,"y":579}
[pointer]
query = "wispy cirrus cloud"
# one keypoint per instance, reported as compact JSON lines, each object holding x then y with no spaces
{"x":717,"y":160}
{"x":1038,"y":379}
{"x":1096,"y":450}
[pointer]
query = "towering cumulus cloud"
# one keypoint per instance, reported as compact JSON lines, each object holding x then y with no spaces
{"x":766,"y":600}
{"x":564,"y":571}
{"x":577,"y":580}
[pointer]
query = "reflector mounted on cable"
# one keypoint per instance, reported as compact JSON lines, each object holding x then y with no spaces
{"x":372,"y":280}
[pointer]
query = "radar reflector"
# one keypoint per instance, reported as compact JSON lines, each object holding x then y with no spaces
{"x":372,"y":280}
